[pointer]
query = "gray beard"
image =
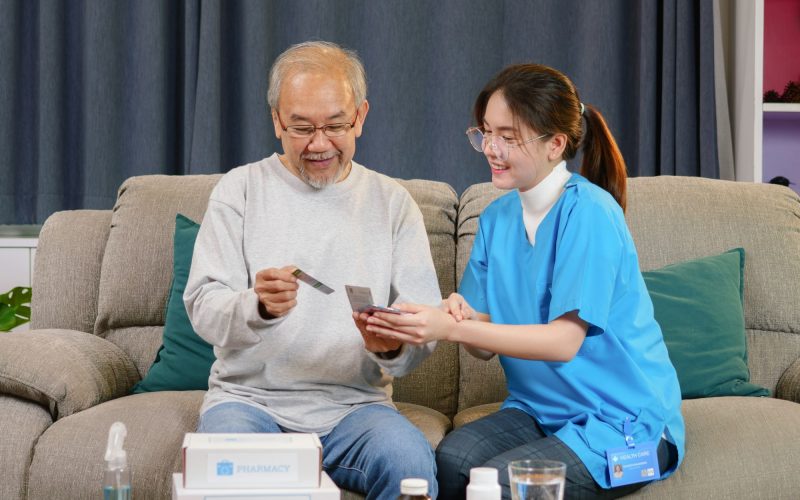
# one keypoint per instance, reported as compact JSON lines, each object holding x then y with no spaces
{"x":317,"y":183}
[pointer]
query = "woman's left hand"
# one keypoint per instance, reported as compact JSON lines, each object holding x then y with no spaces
{"x":421,"y":325}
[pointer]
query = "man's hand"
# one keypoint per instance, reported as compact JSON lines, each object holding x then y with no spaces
{"x":372,"y":342}
{"x":276,"y":290}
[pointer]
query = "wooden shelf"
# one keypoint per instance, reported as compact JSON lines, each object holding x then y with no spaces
{"x":782,"y":107}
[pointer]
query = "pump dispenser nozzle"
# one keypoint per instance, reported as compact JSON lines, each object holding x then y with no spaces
{"x":117,"y":480}
{"x":115,"y":455}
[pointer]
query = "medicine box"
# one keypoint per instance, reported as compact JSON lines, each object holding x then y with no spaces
{"x":287,"y":460}
{"x":327,"y":491}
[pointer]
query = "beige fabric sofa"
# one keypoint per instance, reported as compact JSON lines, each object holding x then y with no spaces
{"x":101,"y":283}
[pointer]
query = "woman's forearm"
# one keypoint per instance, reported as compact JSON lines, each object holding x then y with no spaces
{"x":559,"y":340}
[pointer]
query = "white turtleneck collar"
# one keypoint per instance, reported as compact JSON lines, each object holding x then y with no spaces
{"x":538,"y":200}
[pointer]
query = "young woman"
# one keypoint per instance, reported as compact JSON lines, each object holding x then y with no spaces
{"x":553,"y":287}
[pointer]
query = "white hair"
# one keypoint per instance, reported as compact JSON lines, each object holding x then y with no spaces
{"x":317,"y":57}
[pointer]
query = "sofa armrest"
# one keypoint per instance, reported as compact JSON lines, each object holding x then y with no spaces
{"x":64,"y":370}
{"x":788,"y":387}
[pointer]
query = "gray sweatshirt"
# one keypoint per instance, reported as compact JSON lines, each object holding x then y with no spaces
{"x":309,"y":368}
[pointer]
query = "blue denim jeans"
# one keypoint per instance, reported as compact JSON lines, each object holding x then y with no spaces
{"x":370,"y":451}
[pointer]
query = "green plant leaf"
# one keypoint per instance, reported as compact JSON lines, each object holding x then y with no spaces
{"x":8,"y":319}
{"x":23,"y":313}
{"x":14,"y":308}
{"x":16,"y":296}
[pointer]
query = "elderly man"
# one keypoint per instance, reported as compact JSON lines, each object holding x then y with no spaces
{"x":290,"y":357}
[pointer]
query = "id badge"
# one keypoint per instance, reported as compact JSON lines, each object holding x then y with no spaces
{"x":633,"y":465}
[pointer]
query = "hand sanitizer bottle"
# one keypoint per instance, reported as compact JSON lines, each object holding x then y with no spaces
{"x":483,"y":484}
{"x":117,"y":479}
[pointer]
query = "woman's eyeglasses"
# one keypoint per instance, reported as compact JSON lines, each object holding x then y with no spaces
{"x":500,"y":146}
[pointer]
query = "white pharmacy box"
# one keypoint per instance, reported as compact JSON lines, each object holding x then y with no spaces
{"x":286,"y":460}
{"x":327,"y":491}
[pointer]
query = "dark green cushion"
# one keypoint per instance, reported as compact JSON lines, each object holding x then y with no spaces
{"x":698,"y":304}
{"x":184,"y":360}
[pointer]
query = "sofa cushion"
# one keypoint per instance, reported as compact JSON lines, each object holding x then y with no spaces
{"x":136,"y":271}
{"x":474,"y":413}
{"x":184,"y":360}
{"x":71,"y":246}
{"x":698,"y":304}
{"x":480,"y":381}
{"x":736,"y":447}
{"x":438,"y":202}
{"x":24,"y":421}
{"x":77,"y":369}
{"x":140,"y":343}
{"x":68,"y":457}
{"x":435,"y":382}
{"x":789,"y":383}
{"x":156,"y":423}
{"x":709,"y":216}
{"x":432,"y":423}
{"x":725,"y":436}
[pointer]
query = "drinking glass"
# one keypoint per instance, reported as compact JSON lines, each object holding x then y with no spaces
{"x":537,"y":479}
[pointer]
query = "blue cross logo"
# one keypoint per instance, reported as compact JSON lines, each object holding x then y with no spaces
{"x":224,"y":468}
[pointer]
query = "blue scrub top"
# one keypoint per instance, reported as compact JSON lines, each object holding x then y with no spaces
{"x":584,"y":259}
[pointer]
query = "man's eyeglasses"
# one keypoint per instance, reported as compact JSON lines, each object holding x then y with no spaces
{"x":499,"y":145}
{"x":306,"y":131}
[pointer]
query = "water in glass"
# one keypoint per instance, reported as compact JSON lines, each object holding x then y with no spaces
{"x":537,"y":486}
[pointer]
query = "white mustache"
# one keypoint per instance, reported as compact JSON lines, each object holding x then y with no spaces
{"x":318,"y":156}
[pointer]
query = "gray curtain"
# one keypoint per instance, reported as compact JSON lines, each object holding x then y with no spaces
{"x":94,"y":91}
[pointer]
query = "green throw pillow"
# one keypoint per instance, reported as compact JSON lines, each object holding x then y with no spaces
{"x":698,"y":304}
{"x":184,"y":360}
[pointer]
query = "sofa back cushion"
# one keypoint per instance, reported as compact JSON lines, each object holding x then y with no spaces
{"x":481,"y":381}
{"x":183,"y":362}
{"x":674,"y":219}
{"x":137,"y":270}
{"x":435,"y":383}
{"x":137,"y":265}
{"x":71,"y":246}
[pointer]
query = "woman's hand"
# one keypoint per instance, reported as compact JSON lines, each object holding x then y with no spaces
{"x":421,"y":325}
{"x":457,"y":307}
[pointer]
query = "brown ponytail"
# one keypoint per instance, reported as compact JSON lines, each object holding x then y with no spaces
{"x":546,"y":100}
{"x":602,"y":162}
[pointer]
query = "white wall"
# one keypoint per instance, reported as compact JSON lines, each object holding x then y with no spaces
{"x":743,"y":23}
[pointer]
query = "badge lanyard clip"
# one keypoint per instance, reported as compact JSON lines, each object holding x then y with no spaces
{"x":626,"y":429}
